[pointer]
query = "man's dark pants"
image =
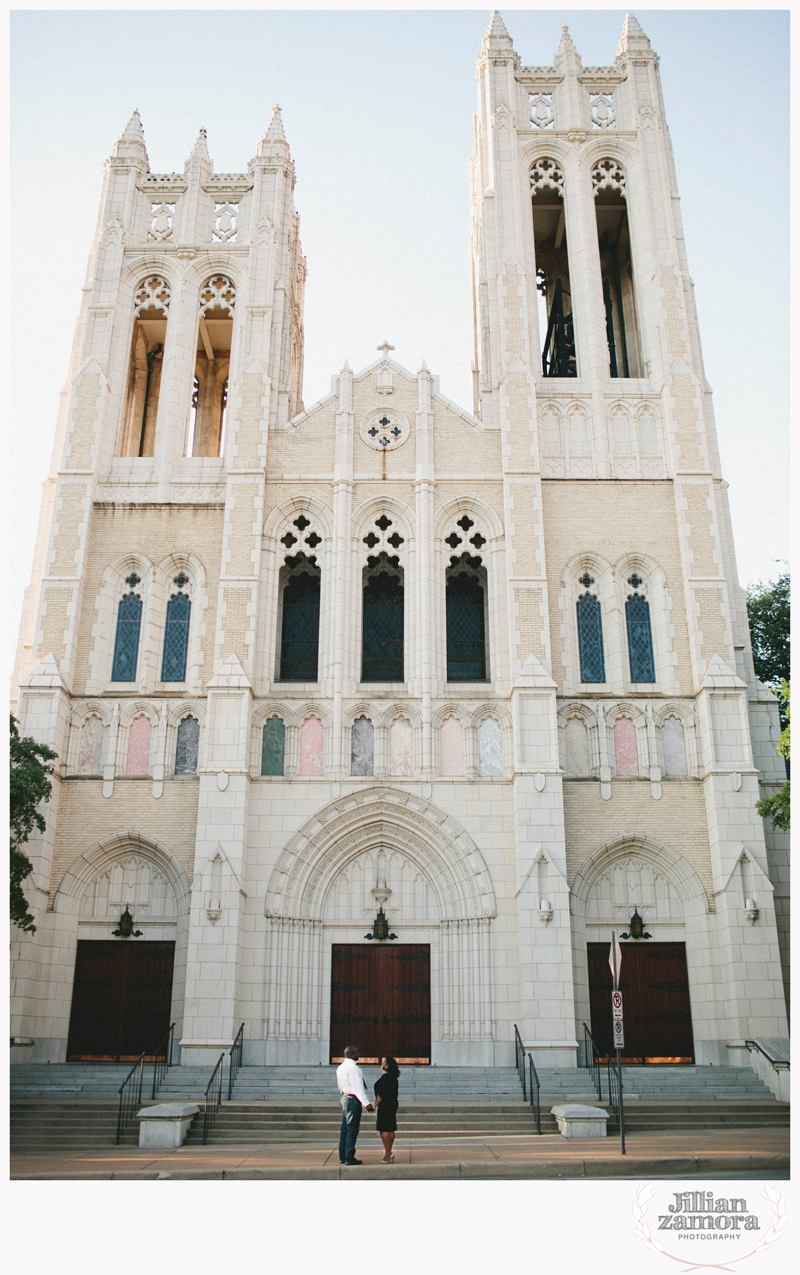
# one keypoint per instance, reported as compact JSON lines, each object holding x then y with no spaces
{"x":351,"y":1121}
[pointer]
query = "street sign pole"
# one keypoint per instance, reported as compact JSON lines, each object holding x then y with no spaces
{"x":616,"y":1001}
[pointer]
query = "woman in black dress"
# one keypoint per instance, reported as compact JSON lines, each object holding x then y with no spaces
{"x":386,"y":1105}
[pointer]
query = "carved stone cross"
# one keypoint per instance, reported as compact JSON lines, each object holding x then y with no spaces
{"x":386,"y":347}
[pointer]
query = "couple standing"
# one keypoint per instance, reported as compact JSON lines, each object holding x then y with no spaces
{"x":353,"y":1098}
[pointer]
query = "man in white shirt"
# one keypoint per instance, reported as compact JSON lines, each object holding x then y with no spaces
{"x":353,"y":1098}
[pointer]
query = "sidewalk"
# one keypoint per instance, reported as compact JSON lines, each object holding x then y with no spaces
{"x":707,"y":1154}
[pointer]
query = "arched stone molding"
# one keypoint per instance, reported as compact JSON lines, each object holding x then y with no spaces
{"x":635,"y":713}
{"x":654,"y":588}
{"x":685,"y":714}
{"x":113,"y":586}
{"x":679,"y":910}
{"x":284,"y":514}
{"x":401,"y":514}
{"x":586,"y":713}
{"x":545,"y":145}
{"x":129,"y":710}
{"x":477,"y":509}
{"x":574,"y":456}
{"x":165,"y":573}
{"x":390,"y":817}
{"x":97,"y":861}
{"x":601,"y":572}
{"x":107,"y":713}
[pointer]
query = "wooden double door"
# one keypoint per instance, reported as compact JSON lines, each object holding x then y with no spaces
{"x":121,"y":999}
{"x":381,"y":1001}
{"x":657,"y":1015}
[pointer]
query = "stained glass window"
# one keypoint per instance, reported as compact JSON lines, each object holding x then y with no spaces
{"x":126,"y":645}
{"x":490,"y":748}
{"x":362,"y":747}
{"x":626,"y":754}
{"x":300,"y":629}
{"x":452,"y":747}
{"x":382,"y":629}
{"x":187,"y":746}
{"x":640,"y":639}
{"x":466,"y":637}
{"x":90,"y":758}
{"x":273,"y":745}
{"x":590,"y":639}
{"x":139,"y":736}
{"x":674,"y":741}
{"x":311,"y":746}
{"x":176,"y":639}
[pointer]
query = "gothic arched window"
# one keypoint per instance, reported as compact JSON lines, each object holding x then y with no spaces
{"x":362,"y":747}
{"x":150,"y":314}
{"x":139,"y":737}
{"x":556,"y":336}
{"x":640,"y":636}
{"x":382,"y":623}
{"x":176,"y":637}
{"x":490,"y":748}
{"x":674,"y":743}
{"x":311,"y":746}
{"x":273,"y":746}
{"x":590,"y":636}
{"x":187,"y":746}
{"x":126,"y":643}
{"x":212,"y":365}
{"x":300,"y":590}
{"x":451,"y":740}
{"x":466,"y":622}
{"x":626,"y":753}
{"x":614,"y":242}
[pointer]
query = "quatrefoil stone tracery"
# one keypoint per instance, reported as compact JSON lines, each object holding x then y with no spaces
{"x":546,"y":173}
{"x":384,"y":431}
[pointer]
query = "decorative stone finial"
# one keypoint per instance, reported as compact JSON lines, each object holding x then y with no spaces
{"x":496,"y":29}
{"x":633,"y":37}
{"x":130,"y":143}
{"x":275,"y":131}
{"x":200,"y":149}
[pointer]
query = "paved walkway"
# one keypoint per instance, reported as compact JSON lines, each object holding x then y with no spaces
{"x":708,"y":1153}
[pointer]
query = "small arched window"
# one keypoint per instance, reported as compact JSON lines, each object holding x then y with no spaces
{"x":126,"y":643}
{"x":273,"y":746}
{"x":640,"y":636}
{"x":382,"y":622}
{"x":362,"y":747}
{"x":673,"y":740}
{"x":490,"y":748}
{"x":187,"y":745}
{"x":626,"y":755}
{"x":452,"y":747}
{"x":176,"y":637}
{"x":401,"y":745}
{"x":466,"y":619}
{"x":300,"y":593}
{"x":590,"y":635}
{"x":139,"y":737}
{"x":90,"y":755}
{"x":576,"y":746}
{"x":311,"y":742}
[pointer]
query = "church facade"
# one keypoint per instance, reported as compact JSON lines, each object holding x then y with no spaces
{"x":479,"y":680}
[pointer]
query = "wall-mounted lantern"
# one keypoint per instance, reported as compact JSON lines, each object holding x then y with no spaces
{"x":380,"y":928}
{"x":126,"y":929}
{"x":751,"y":912}
{"x":545,"y":911}
{"x":637,"y":930}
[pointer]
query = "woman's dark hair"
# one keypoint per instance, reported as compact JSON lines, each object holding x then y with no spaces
{"x":392,"y":1068}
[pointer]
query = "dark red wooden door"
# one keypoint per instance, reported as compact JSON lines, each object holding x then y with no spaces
{"x":381,"y":1001}
{"x":121,"y":999}
{"x":655,"y":991}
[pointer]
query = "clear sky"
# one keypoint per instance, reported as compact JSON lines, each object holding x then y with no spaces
{"x":378,"y":109}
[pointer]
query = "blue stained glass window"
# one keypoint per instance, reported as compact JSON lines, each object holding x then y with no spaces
{"x":466,"y":638}
{"x":176,"y":639}
{"x":273,"y":742}
{"x":300,"y":629}
{"x":382,"y":629}
{"x":590,"y":639}
{"x":187,"y":746}
{"x":126,"y":645}
{"x":640,"y":639}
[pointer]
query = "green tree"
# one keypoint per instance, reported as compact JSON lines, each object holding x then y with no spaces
{"x":768,"y":613}
{"x":778,"y":808}
{"x":31,"y":766}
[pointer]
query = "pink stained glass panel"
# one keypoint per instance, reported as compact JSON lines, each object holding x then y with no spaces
{"x":626,"y":757}
{"x":138,"y":762}
{"x":311,"y":747}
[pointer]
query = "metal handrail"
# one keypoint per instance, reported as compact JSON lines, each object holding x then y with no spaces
{"x":592,"y":1057}
{"x":130,"y":1094}
{"x":780,"y":1064}
{"x":236,"y":1060}
{"x":614,"y":1074}
{"x":534,"y":1086}
{"x":160,"y":1067}
{"x":213,"y":1098}
{"x":519,"y":1050}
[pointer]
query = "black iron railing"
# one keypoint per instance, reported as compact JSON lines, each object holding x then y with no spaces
{"x":591,"y":1059}
{"x":558,"y":355}
{"x":615,"y":1099}
{"x":236,"y":1060}
{"x":130,"y":1095}
{"x":213,"y":1098}
{"x":780,"y":1064}
{"x":162,"y":1064}
{"x":520,"y":1061}
{"x":533,"y":1082}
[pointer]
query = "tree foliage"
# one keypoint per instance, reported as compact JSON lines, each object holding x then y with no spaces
{"x":778,"y":808}
{"x":31,"y":766}
{"x":768,"y":613}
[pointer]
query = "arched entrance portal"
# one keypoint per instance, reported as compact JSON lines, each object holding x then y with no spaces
{"x":379,"y":847}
